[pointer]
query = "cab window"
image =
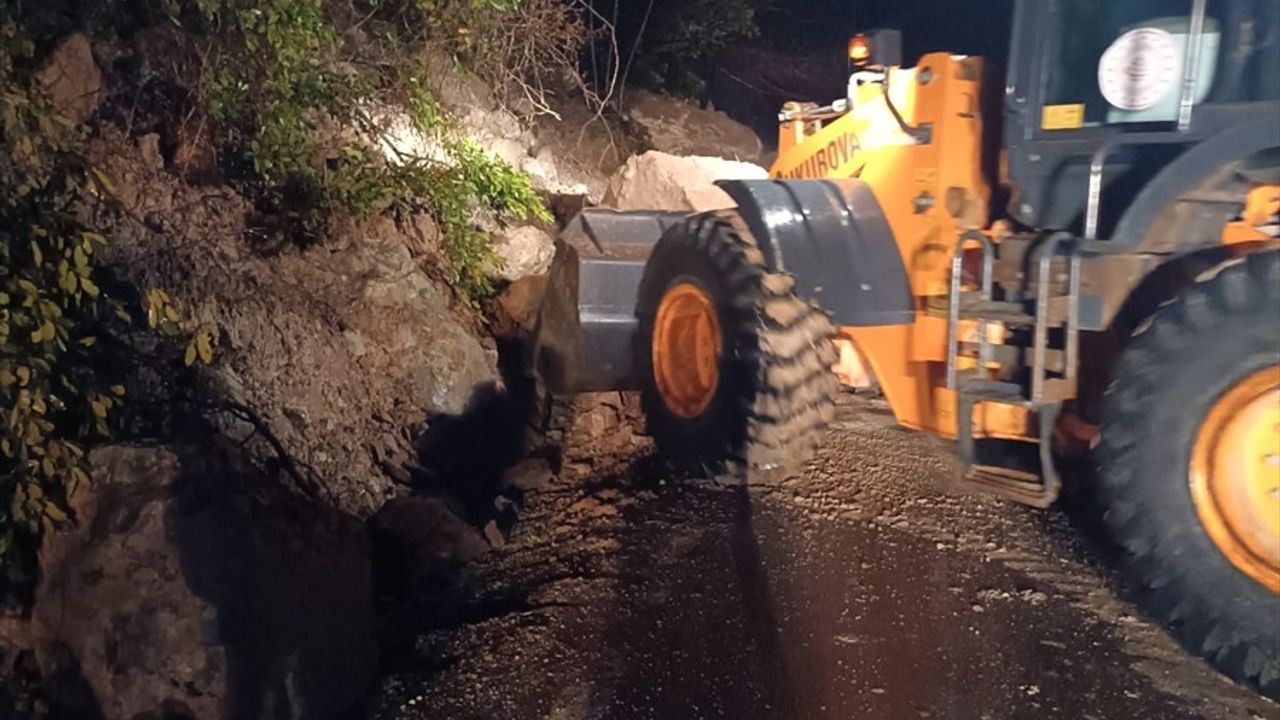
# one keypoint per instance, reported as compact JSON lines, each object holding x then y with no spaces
{"x":1122,"y":63}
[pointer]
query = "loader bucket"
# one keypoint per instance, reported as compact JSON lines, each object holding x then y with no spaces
{"x":584,"y":336}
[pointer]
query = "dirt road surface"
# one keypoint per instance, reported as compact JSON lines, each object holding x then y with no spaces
{"x":861,"y":590}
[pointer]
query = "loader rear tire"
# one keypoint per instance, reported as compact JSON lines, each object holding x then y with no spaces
{"x":1220,"y":336}
{"x":771,"y":391}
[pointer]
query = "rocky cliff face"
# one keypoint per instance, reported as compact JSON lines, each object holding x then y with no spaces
{"x":234,"y":575}
{"x":195,"y":588}
{"x":343,"y":351}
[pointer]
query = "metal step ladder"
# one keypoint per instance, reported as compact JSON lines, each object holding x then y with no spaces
{"x":1044,"y":371}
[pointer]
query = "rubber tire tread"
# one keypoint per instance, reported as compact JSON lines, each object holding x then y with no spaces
{"x":776,"y":391}
{"x":1189,"y":353}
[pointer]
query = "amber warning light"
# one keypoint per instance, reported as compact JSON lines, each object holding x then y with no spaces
{"x":859,"y":50}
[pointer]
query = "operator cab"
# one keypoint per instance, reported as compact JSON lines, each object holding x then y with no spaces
{"x":1104,"y":98}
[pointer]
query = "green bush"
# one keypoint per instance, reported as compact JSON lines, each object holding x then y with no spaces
{"x":283,"y":70}
{"x":277,"y":72}
{"x":63,"y":359}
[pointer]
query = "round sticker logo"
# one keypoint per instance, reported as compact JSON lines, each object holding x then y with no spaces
{"x":1139,"y":69}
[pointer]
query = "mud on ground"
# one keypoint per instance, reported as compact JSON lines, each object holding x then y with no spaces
{"x":859,"y":590}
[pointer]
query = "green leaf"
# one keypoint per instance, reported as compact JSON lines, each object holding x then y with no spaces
{"x":189,"y":357}
{"x":67,"y":280}
{"x":89,"y":287}
{"x":54,"y":513}
{"x":103,"y":180}
{"x":33,"y":435}
{"x":44,"y":333}
{"x":204,"y":346}
{"x":78,"y":477}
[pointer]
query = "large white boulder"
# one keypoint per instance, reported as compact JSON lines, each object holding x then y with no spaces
{"x":659,"y":181}
{"x":524,"y":250}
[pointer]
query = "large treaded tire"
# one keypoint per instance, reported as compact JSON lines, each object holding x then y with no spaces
{"x":1194,"y":349}
{"x":776,"y":388}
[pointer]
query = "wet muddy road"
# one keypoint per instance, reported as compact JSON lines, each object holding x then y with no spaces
{"x":860,"y":590}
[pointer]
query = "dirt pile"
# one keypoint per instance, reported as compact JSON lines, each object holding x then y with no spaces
{"x":679,"y":128}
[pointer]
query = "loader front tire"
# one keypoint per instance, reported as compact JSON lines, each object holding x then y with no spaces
{"x":1189,"y":467}
{"x":737,"y":369}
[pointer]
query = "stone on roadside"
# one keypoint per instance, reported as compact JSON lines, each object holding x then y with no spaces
{"x":658,"y":181}
{"x":71,"y":79}
{"x":524,"y":250}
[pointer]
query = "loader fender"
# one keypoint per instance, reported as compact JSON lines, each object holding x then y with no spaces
{"x":833,"y":237}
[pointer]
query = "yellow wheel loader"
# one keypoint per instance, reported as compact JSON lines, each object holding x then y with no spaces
{"x":1083,"y":250}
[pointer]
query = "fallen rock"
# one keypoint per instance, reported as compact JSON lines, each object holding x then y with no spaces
{"x":591,"y":508}
{"x":530,"y":475}
{"x":71,"y":79}
{"x":517,"y":307}
{"x":417,"y":538}
{"x":524,"y":250}
{"x":423,"y":235}
{"x":561,"y":155}
{"x":553,"y":176}
{"x":191,"y":588}
{"x":149,"y":151}
{"x":673,"y":126}
{"x":659,"y":181}
{"x":494,"y":535}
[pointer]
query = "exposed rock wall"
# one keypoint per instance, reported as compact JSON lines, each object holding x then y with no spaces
{"x":193,"y":588}
{"x":343,"y":350}
{"x":197,"y":585}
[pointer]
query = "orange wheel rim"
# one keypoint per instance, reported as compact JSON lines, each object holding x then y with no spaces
{"x":1235,"y":476}
{"x":686,"y":350}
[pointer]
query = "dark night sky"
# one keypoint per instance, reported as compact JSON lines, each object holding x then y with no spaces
{"x":978,"y":27}
{"x":800,"y":54}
